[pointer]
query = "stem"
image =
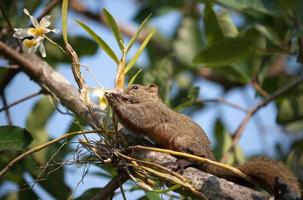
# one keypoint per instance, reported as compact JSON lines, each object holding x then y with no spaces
{"x":39,"y":148}
{"x":7,"y":112}
{"x":5,"y":107}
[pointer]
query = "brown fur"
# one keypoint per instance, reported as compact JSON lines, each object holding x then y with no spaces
{"x":140,"y":109}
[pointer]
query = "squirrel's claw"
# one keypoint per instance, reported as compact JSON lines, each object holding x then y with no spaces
{"x":115,"y":98}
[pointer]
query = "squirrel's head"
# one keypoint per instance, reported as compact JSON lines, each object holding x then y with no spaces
{"x":141,"y":93}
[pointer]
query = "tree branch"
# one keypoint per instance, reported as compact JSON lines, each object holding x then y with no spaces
{"x":107,"y":192}
{"x":48,"y":9}
{"x":7,"y":112}
{"x":237,"y":135}
{"x":209,"y":185}
{"x":224,"y":101}
{"x":5,"y":107}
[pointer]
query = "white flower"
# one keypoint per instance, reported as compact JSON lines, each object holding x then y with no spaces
{"x":99,"y":94}
{"x":38,"y":33}
{"x":31,"y":45}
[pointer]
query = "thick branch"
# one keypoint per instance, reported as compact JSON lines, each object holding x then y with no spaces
{"x":209,"y":185}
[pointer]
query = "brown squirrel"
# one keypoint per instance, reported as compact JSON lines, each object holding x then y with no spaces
{"x":141,"y":110}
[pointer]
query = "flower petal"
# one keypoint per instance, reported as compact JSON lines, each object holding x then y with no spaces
{"x":47,"y":30}
{"x":42,"y":50}
{"x":55,"y":30}
{"x":33,"y":19}
{"x":21,"y":33}
{"x":99,"y":93}
{"x":28,"y":46}
{"x":44,"y":22}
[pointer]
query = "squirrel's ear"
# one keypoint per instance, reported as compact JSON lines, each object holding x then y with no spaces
{"x":153,"y":88}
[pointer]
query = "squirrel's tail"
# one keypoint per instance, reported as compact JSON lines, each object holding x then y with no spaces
{"x":270,"y":175}
{"x":273,"y":176}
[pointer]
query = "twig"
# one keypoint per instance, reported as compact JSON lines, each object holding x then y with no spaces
{"x":238,"y":133}
{"x":40,"y":147}
{"x":47,"y":165}
{"x":224,"y":101}
{"x":5,"y":107}
{"x":175,"y":180}
{"x":259,"y":124}
{"x":154,"y":165}
{"x":48,"y":9}
{"x":6,"y":19}
{"x":75,"y":66}
{"x":10,"y":74}
{"x":121,"y":189}
{"x":259,"y":89}
{"x":10,"y":25}
{"x":7,"y":112}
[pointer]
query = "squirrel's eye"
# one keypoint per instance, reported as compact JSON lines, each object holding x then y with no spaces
{"x":135,"y":87}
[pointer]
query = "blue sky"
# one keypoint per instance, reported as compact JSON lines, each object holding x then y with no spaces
{"x":104,"y":70}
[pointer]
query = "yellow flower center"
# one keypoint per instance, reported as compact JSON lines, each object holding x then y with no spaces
{"x":37,"y":31}
{"x":103,"y":102}
{"x":29,"y":43}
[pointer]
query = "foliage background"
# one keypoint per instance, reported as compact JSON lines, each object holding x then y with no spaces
{"x":243,"y":51}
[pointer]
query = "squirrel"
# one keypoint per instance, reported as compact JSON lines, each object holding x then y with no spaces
{"x":140,"y":109}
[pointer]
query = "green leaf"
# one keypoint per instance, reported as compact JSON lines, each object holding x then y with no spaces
{"x":109,"y":169}
{"x":114,"y":27}
{"x":172,"y":188}
{"x":135,"y":36}
{"x":188,"y":40}
{"x":83,"y":45}
{"x":132,"y":80}
{"x":188,"y":99}
{"x":14,"y":138}
{"x":100,"y":41}
{"x":76,"y":125}
{"x":36,"y":123}
{"x":290,"y":109}
{"x":31,"y":5}
{"x":153,"y":196}
{"x":158,"y":8}
{"x":212,"y":28}
{"x":161,"y":73}
{"x":3,"y":71}
{"x":225,"y":52}
{"x":64,"y":20}
{"x":223,"y":142}
{"x":270,"y":7}
{"x":294,"y":9}
{"x":227,"y":25}
{"x":140,"y":50}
